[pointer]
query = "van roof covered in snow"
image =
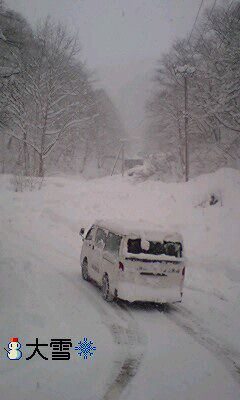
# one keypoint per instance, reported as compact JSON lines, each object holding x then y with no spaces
{"x":140,"y":229}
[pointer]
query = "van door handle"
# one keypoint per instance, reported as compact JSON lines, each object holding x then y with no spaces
{"x":93,"y":246}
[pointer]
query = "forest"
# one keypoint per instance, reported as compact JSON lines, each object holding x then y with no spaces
{"x":53,"y":115}
{"x":194,"y":113}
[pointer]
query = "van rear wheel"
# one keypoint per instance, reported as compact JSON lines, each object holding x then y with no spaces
{"x":106,"y":289}
{"x":85,"y":270}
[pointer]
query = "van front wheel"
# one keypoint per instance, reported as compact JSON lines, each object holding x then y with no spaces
{"x":106,"y":289}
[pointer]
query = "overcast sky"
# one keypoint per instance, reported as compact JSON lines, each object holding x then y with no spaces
{"x":118,"y":31}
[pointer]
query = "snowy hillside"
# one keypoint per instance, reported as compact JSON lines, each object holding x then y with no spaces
{"x":190,"y":352}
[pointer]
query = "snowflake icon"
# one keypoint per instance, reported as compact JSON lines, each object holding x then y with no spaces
{"x":85,"y":348}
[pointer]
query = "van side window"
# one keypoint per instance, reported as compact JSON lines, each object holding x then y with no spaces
{"x":90,"y":234}
{"x":113,"y":243}
{"x":101,"y":237}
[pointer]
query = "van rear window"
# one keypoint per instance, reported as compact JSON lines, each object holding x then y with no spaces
{"x":156,"y":248}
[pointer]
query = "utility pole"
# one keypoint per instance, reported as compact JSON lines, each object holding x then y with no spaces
{"x":186,"y":127}
{"x":186,"y":71}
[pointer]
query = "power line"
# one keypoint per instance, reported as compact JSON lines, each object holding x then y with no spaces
{"x":199,"y":9}
{"x":214,"y":4}
{"x":228,"y":10}
{"x":202,"y":39}
{"x":204,"y":28}
{"x":186,"y":97}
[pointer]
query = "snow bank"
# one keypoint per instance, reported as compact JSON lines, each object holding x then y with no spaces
{"x":209,"y":232}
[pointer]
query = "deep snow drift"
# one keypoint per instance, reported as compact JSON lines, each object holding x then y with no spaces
{"x":42,"y":294}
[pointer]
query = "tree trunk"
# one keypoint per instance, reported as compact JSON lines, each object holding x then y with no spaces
{"x":25,"y":155}
{"x":186,"y":128}
{"x":35,"y":154}
{"x":85,"y":157}
{"x":43,"y":138}
{"x":41,"y":166}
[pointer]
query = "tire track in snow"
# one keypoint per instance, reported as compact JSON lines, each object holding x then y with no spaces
{"x":186,"y":320}
{"x":125,"y":332}
{"x":128,"y":371}
{"x":135,"y":343}
{"x":120,"y":322}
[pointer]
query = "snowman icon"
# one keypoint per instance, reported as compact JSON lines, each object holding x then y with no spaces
{"x":14,"y":353}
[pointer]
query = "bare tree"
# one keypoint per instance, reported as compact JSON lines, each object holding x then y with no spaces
{"x":213,"y":92}
{"x":47,"y":101}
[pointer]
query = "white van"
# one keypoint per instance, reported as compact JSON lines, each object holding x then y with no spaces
{"x":133,"y":263}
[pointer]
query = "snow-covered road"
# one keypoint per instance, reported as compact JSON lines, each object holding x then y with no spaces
{"x":142,"y":352}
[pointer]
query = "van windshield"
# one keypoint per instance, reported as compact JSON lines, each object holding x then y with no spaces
{"x":157,"y":248}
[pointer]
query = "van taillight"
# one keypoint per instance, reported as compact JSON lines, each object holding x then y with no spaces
{"x":121,"y":266}
{"x":183,"y":271}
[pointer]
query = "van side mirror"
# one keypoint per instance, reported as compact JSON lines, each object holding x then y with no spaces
{"x":81,"y":233}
